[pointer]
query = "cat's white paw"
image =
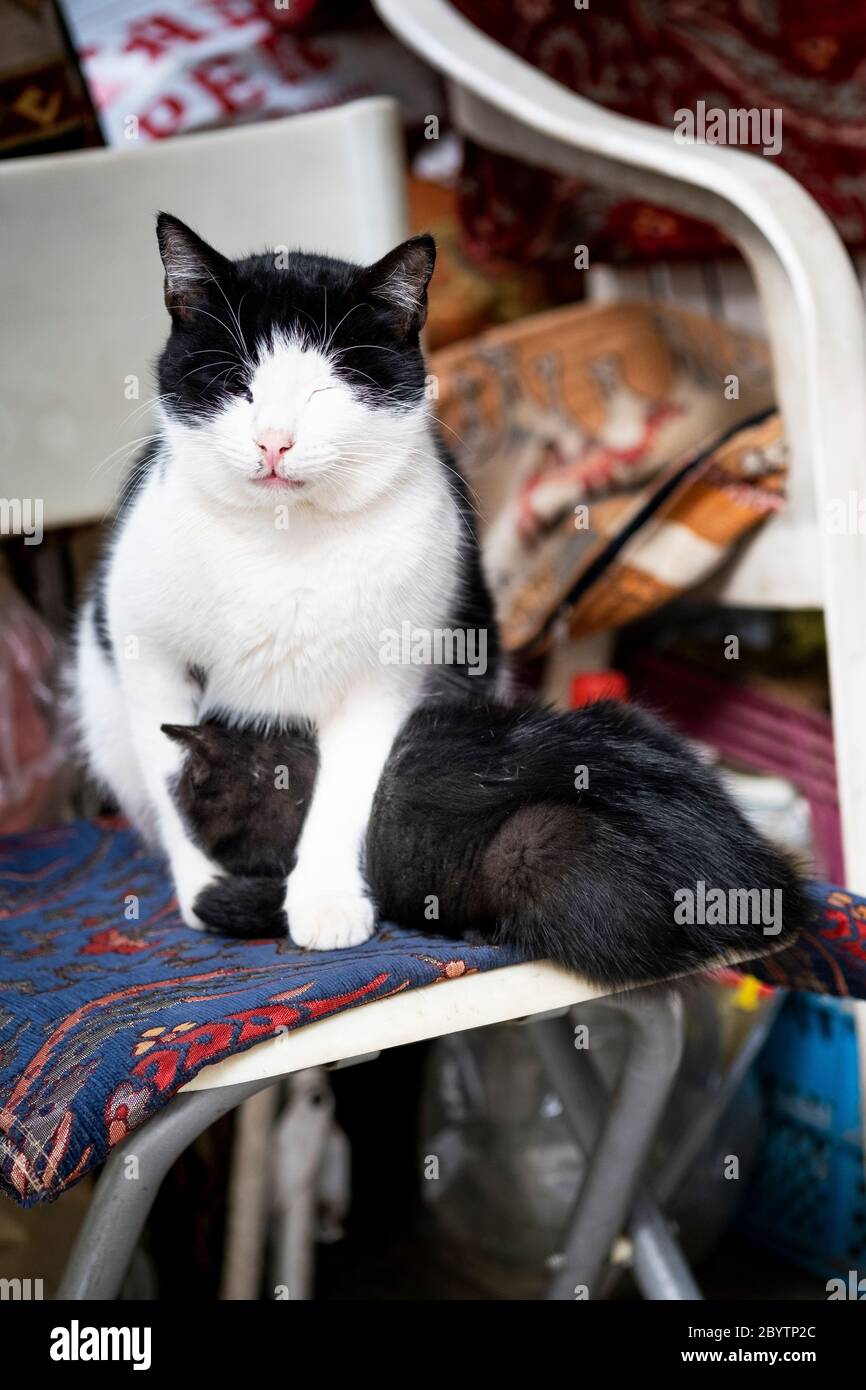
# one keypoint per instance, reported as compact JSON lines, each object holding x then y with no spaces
{"x":329,"y":921}
{"x":192,"y":872}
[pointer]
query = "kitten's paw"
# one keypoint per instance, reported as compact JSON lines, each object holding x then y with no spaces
{"x":329,"y":921}
{"x":186,"y":900}
{"x":193,"y":873}
{"x":244,"y":907}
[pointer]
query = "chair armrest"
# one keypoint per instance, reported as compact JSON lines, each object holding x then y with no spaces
{"x":811,"y":300}
{"x":736,"y":192}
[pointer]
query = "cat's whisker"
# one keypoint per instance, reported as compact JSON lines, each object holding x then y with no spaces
{"x":239,"y":336}
{"x":461,"y":477}
{"x":364,"y":347}
{"x":202,"y":352}
{"x":444,"y":426}
{"x":327,"y":346}
{"x":148,"y":404}
{"x":132,"y":444}
{"x":196,"y":309}
{"x":133,"y":483}
{"x":223,"y":362}
{"x":394,"y":390}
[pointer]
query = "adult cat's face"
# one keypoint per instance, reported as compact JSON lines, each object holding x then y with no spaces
{"x":293,"y":379}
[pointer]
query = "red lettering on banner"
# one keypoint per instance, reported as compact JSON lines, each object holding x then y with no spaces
{"x":235,"y":14}
{"x":157,"y":34}
{"x":315,"y":58}
{"x":229,"y":86}
{"x":150,"y":121}
{"x":296,"y":58}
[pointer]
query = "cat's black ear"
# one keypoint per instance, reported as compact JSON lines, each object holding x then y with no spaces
{"x":400,"y":279}
{"x":197,"y":744}
{"x":191,"y":267}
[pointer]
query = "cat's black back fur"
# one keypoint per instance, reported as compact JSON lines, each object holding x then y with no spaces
{"x":564,"y":835}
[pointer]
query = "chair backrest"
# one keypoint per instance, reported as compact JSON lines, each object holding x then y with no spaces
{"x":81,"y":279}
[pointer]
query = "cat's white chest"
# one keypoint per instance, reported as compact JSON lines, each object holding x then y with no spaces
{"x":286,"y":623}
{"x":297,"y":628}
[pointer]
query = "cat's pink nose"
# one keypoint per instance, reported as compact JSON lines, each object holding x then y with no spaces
{"x":272,"y":445}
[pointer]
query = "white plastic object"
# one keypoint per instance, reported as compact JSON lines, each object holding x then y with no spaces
{"x":81,"y":278}
{"x":470,"y":1001}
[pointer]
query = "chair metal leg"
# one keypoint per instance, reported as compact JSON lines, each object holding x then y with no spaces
{"x":128,"y":1185}
{"x":616,"y":1132}
{"x":248,"y":1197}
{"x":661,"y":1270}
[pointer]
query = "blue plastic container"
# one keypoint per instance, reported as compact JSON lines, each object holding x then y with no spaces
{"x":807,"y":1198}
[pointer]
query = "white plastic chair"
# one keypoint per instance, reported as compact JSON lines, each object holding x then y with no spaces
{"x":812,"y":306}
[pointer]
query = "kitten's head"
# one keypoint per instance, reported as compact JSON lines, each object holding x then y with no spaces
{"x":290,"y":378}
{"x":244,"y":796}
{"x":215,"y":788}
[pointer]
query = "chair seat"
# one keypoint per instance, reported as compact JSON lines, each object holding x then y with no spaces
{"x":109,"y":1005}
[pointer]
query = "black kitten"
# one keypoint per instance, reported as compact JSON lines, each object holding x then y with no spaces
{"x":594,"y":838}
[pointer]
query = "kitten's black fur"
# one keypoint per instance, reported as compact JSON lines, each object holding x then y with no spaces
{"x":478,"y":810}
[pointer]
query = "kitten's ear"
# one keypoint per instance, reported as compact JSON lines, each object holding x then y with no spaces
{"x":191,"y":266}
{"x":400,"y":281}
{"x":197,"y":744}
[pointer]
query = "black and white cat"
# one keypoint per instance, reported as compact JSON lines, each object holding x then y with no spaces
{"x":296,"y":511}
